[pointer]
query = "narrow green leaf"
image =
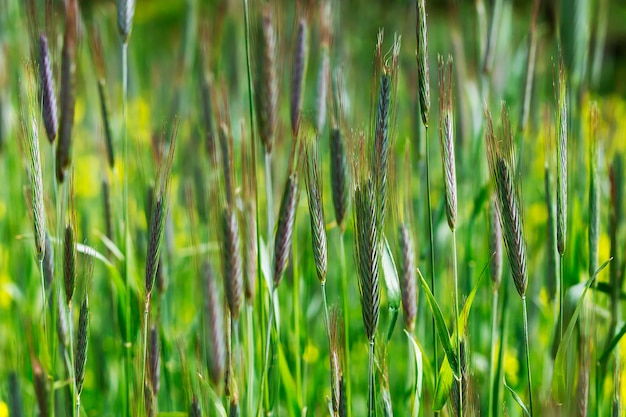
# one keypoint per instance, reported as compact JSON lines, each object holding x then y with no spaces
{"x":288,"y":382}
{"x":445,"y":372}
{"x":558,"y":376}
{"x":612,"y":345}
{"x":419,"y":373}
{"x":440,"y":324}
{"x":517,"y":399}
{"x":444,"y":385}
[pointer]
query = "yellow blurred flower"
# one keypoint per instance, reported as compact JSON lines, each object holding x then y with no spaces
{"x":511,"y":366}
{"x":139,"y":128}
{"x":311,"y":354}
{"x":86,"y":177}
{"x":4,"y":409}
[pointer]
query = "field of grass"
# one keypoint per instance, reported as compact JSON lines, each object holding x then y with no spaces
{"x":321,"y":207}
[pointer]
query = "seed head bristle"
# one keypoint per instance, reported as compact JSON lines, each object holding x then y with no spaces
{"x":408,"y":278}
{"x":231,"y":262}
{"x":48,"y":97}
{"x":495,"y":243}
{"x":69,"y":261}
{"x":446,"y":138}
{"x":82,"y":341}
{"x":298,"y":75}
{"x":367,"y":254}
{"x":423,"y":77}
{"x":339,"y":176}
{"x":125,"y":13}
{"x":316,"y":211}
{"x":500,"y":157}
{"x":561,"y":162}
{"x":266,"y":82}
{"x":214,"y":324}
{"x":336,"y":358}
{"x":68,"y":94}
{"x":284,"y":230}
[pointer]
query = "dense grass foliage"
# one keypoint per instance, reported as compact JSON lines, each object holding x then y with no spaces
{"x":244,"y":207}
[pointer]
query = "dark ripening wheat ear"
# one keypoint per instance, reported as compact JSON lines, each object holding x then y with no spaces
{"x":500,"y":159}
{"x":316,"y":212}
{"x":40,"y":383}
{"x":82,"y":340}
{"x":231,"y":262}
{"x":125,"y":13}
{"x":339,"y":176}
{"x":68,"y":93}
{"x":48,"y":97}
{"x":382,"y":147}
{"x":446,"y":138}
{"x":298,"y":76}
{"x":323,"y":75}
{"x":159,"y":213}
{"x":106,"y":121}
{"x":284,"y":230}
{"x":48,"y":267}
{"x":248,"y":216}
{"x":423,"y":77}
{"x":69,"y":261}
{"x":266,"y":84}
{"x":368,"y":254}
{"x":408,"y":278}
{"x":214,"y":327}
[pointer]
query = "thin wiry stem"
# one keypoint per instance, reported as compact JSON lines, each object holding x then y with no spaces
{"x":371,"y":406}
{"x":530,"y":384}
{"x":492,"y":356}
{"x":456,"y":314}
{"x":346,"y":315}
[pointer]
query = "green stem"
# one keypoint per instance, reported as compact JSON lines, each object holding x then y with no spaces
{"x":296,"y":319}
{"x":561,"y":298}
{"x":346,"y":318}
{"x":371,"y":406}
{"x":326,"y":319}
{"x":456,"y":319}
{"x":530,"y":384}
{"x":492,"y":357}
{"x":145,"y":350}
{"x":128,"y":343}
{"x":266,"y":356}
{"x":432,"y":256}
{"x":250,"y":344}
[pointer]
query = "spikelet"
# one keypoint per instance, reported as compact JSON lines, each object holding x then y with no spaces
{"x":367,"y":254}
{"x":82,"y":341}
{"x":423,"y":77}
{"x":68,"y":93}
{"x":298,"y":75}
{"x":446,"y":138}
{"x":159,"y":213}
{"x":106,"y":208}
{"x":106,"y":121}
{"x":231,"y":262}
{"x":48,"y":97}
{"x":323,"y":75}
{"x":561,"y":163}
{"x":266,"y":82}
{"x":316,"y":212}
{"x":69,"y":261}
{"x":284,"y":229}
{"x":125,"y":13}
{"x":30,"y":148}
{"x":339,"y":176}
{"x":214,"y":325}
{"x":500,"y":157}
{"x":408,"y":278}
